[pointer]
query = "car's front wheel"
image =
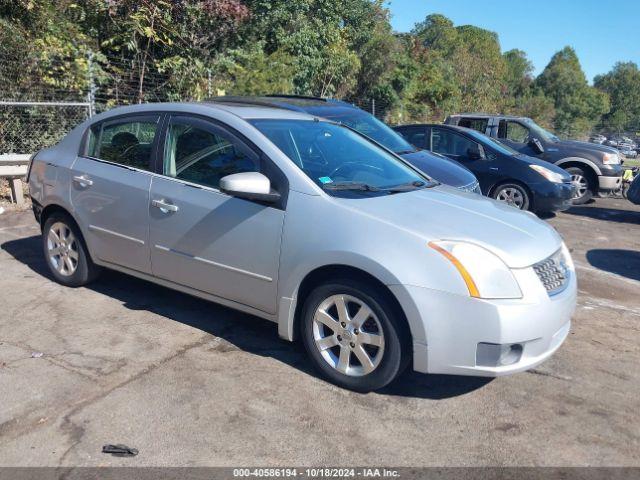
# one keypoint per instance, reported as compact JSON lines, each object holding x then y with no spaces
{"x":66,"y":253}
{"x":354,"y":335}
{"x":512,"y":194}
{"x":582,"y":182}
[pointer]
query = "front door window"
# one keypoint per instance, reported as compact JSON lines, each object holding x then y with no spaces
{"x":202,"y":155}
{"x":514,"y":132}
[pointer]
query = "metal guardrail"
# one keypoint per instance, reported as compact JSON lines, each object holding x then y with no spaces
{"x":14,"y":167}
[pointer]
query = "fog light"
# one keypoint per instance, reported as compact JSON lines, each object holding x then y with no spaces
{"x":497,"y":355}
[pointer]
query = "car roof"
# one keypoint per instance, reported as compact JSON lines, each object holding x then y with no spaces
{"x":247,"y":111}
{"x":243,"y":111}
{"x":442,"y":125}
{"x":298,"y":103}
{"x":485,"y":115}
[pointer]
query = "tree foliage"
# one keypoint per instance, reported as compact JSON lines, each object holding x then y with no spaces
{"x":622,"y":84}
{"x":578,"y":106}
{"x":148,"y":50}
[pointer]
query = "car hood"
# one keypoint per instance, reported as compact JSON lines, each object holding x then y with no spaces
{"x":572,"y":145}
{"x":441,"y":169}
{"x":543,"y":163}
{"x":519,"y":238}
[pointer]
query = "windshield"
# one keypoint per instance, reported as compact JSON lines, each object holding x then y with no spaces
{"x":540,"y":132}
{"x":375,"y":129}
{"x":333,"y":155}
{"x":493,"y":143}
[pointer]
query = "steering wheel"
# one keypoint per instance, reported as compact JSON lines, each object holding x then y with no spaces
{"x":351,"y":166}
{"x":129,"y":149}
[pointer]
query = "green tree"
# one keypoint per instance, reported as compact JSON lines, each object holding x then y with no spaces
{"x":436,"y":32}
{"x":518,"y":73}
{"x":254,"y":72}
{"x":326,"y":38}
{"x":622,"y":84}
{"x":578,"y":106}
{"x":457,"y":67}
{"x":480,"y":68}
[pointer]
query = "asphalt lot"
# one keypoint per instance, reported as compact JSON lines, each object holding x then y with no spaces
{"x":190,"y":383}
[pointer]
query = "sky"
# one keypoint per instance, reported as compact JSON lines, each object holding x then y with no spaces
{"x":601,"y":32}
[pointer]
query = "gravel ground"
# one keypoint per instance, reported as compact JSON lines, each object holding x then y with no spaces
{"x":190,"y":383}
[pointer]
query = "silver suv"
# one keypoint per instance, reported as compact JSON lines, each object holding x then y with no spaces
{"x":306,"y":223}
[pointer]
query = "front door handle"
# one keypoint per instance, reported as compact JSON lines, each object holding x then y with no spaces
{"x":83,"y":181}
{"x":164,"y":207}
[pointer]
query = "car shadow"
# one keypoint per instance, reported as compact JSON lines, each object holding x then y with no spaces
{"x":621,"y":262}
{"x":246,"y":332}
{"x":546,"y":215}
{"x":607,"y":214}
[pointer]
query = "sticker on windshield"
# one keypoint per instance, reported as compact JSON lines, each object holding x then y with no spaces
{"x":325,"y":180}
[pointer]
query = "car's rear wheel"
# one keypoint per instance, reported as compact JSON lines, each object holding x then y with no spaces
{"x":66,"y":253}
{"x":582,"y":182}
{"x":353,"y":335}
{"x":512,"y":194}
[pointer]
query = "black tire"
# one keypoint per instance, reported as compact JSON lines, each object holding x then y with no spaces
{"x":579,"y":173}
{"x":397,"y":348}
{"x":625,"y":190}
{"x":85,"y":270}
{"x":501,"y":190}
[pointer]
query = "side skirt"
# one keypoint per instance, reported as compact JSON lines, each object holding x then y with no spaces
{"x":190,"y":291}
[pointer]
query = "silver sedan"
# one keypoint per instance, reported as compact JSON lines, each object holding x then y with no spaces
{"x":306,"y":223}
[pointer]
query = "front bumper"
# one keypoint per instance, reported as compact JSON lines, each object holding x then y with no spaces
{"x":552,"y":197}
{"x":606,"y":183}
{"x":610,"y":177}
{"x":458,"y":329}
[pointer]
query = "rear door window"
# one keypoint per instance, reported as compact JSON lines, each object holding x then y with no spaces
{"x":451,"y":143}
{"x":127,"y":141}
{"x":479,"y":124}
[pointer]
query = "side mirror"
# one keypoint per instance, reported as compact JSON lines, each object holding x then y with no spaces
{"x":476,"y":153}
{"x":250,"y":186}
{"x":536,"y":145}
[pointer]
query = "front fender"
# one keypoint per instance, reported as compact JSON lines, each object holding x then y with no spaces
{"x":289,"y":288}
{"x":581,"y":160}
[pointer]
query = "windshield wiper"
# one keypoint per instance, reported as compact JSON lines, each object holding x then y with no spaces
{"x":406,"y":152}
{"x":350,"y":186}
{"x":405,"y":187}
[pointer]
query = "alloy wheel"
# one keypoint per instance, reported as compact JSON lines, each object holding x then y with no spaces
{"x":511,"y":196}
{"x":581,"y":183}
{"x":62,"y":249}
{"x":348,"y":335}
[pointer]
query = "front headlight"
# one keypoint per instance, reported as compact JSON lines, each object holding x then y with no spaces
{"x":548,"y":174}
{"x":485,"y":275}
{"x":611,"y":159}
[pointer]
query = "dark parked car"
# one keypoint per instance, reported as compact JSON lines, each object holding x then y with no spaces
{"x":593,"y":168}
{"x":436,"y":166}
{"x":633,"y":194}
{"x":504,"y":174}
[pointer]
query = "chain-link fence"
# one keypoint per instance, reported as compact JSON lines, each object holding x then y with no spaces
{"x":42,"y":99}
{"x":26,"y":127}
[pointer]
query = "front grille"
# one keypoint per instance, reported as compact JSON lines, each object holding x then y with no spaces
{"x":553,"y":273}
{"x":472,"y":187}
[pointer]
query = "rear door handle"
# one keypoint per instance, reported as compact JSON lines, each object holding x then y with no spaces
{"x":164,"y":207}
{"x":83,"y":180}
